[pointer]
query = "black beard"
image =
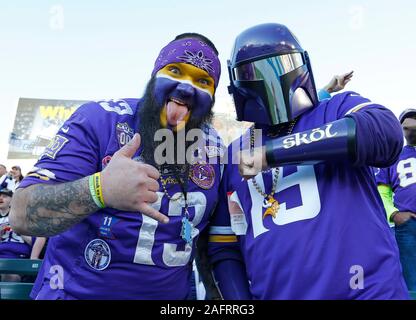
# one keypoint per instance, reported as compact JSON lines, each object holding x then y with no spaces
{"x":410,"y":137}
{"x":149,"y":116}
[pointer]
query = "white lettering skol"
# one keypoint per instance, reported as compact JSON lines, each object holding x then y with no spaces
{"x":315,"y":135}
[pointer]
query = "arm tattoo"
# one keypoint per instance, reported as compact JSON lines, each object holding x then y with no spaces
{"x":52,"y":209}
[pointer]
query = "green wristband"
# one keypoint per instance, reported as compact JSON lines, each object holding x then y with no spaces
{"x":93,"y":193}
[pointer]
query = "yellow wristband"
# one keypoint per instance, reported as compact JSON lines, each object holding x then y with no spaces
{"x":96,"y":190}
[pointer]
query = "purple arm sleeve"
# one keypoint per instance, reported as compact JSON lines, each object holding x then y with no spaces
{"x":333,"y":141}
{"x":370,"y":137}
{"x":379,"y":137}
{"x":232,"y":280}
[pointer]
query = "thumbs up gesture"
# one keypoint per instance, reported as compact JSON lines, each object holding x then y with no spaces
{"x":129,"y":185}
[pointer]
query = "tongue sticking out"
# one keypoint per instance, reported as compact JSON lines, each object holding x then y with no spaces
{"x":175,"y":112}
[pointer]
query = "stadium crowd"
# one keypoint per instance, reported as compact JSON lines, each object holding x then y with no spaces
{"x":12,"y":244}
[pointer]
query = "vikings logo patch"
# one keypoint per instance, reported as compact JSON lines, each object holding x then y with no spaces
{"x":203,"y":175}
{"x":124,"y":133}
{"x":97,"y":254}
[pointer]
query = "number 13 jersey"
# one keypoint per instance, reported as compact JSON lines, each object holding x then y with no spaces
{"x":113,"y":254}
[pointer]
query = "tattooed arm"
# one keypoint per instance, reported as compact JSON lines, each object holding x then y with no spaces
{"x":47,"y":210}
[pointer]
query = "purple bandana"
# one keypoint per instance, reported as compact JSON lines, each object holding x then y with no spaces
{"x":191,"y":51}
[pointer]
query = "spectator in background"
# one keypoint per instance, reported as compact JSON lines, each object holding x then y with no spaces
{"x":3,"y":173}
{"x":400,"y":179}
{"x":13,"y":179}
{"x":13,"y":245}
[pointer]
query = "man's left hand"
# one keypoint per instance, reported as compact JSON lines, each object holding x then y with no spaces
{"x":338,"y":82}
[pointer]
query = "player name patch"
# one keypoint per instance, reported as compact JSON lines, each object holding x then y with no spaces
{"x":124,"y":133}
{"x":97,"y":254}
{"x":203,"y":175}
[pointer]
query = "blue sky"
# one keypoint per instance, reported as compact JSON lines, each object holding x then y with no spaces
{"x":106,"y":49}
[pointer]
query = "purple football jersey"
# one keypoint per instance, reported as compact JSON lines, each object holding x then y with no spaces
{"x":401,"y":176}
{"x":329,"y":239}
{"x":12,"y":245}
{"x":114,"y":254}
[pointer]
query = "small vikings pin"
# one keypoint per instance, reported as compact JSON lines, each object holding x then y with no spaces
{"x":203,"y":175}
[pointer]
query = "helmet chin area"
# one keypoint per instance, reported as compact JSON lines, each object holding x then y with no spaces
{"x":300,"y":102}
{"x":254,"y":104}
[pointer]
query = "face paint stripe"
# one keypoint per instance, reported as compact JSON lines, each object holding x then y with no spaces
{"x":162,"y":75}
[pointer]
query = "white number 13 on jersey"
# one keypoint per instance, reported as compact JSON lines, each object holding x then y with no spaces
{"x":170,"y":256}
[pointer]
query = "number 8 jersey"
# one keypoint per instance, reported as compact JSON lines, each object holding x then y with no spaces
{"x":402,"y":178}
{"x":114,"y":254}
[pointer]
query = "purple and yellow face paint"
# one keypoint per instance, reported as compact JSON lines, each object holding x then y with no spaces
{"x":183,"y":89}
{"x":187,"y":72}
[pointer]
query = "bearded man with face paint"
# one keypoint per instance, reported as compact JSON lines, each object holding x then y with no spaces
{"x":123,"y":224}
{"x":400,"y":180}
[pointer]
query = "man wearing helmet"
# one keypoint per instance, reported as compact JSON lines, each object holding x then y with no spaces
{"x":400,"y":179}
{"x":300,"y":217}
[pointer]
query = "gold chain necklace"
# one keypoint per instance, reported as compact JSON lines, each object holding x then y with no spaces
{"x":165,"y":191}
{"x":269,"y":202}
{"x":187,"y":227}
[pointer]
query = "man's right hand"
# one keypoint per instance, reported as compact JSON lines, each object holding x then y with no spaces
{"x":129,"y":185}
{"x":401,"y":217}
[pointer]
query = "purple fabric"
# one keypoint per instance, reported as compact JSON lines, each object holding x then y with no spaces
{"x":150,"y":276}
{"x":379,"y":137}
{"x":12,"y":245}
{"x":335,"y":141}
{"x":235,"y":287}
{"x":401,"y":176}
{"x":190,"y":51}
{"x":330,"y":221}
{"x":14,"y":250}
